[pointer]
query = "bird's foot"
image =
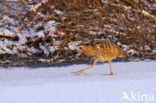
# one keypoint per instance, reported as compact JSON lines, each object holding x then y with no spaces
{"x":79,"y":72}
{"x":111,"y":74}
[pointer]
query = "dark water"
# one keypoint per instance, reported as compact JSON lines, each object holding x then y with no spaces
{"x":35,"y":62}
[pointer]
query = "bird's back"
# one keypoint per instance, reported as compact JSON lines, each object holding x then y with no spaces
{"x":106,"y":50}
{"x":103,"y":50}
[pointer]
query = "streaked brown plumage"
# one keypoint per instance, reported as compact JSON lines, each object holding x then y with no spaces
{"x":102,"y":51}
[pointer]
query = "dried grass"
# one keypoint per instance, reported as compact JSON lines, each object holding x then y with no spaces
{"x":126,"y":22}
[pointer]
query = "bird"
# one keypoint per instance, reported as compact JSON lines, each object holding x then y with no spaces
{"x":101,"y":51}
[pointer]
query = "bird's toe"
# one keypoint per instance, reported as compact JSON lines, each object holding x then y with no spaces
{"x":79,"y":72}
{"x":111,"y":74}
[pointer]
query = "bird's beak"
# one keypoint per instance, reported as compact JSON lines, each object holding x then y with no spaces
{"x":74,"y":47}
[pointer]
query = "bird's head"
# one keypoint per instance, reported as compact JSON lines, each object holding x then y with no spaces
{"x":81,"y":48}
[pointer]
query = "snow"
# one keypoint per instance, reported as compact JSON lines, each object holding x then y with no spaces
{"x":75,"y":43}
{"x":10,"y":30}
{"x":134,"y":83}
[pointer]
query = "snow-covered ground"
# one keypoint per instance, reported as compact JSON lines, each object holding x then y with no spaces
{"x":135,"y":82}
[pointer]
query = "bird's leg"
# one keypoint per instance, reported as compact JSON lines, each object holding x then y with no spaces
{"x":111,"y":68}
{"x":112,"y":73}
{"x":83,"y":70}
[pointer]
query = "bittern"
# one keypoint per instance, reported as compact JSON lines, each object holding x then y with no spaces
{"x":102,"y":51}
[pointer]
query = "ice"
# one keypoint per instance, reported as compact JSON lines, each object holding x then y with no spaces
{"x":59,"y":85}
